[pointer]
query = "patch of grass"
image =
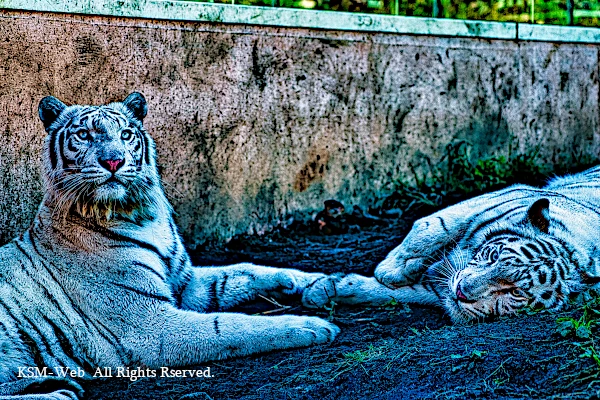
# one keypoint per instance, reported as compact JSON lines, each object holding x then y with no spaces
{"x":358,"y":359}
{"x":459,"y":175}
{"x":361,"y":356}
{"x":468,"y":360}
{"x":582,"y":332}
{"x":331,"y":310}
{"x":581,"y":328}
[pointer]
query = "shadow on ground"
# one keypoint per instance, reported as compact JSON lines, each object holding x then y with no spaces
{"x":387,"y":353}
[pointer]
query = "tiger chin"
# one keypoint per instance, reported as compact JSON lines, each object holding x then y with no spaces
{"x":102,"y":280}
{"x":493,"y":255}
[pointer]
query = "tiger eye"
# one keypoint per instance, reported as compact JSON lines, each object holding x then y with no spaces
{"x":494,"y":256}
{"x":83,"y":135}
{"x":126,"y":135}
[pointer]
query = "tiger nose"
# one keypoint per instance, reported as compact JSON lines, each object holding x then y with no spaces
{"x":459,"y":293}
{"x":111,"y":165}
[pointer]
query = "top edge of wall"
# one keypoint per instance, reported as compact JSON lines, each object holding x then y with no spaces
{"x":294,"y":18}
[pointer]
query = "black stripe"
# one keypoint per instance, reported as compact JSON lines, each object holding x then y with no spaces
{"x":26,"y":338}
{"x":497,"y":306}
{"x":443,"y":224}
{"x":141,"y":292}
{"x":545,"y":249}
{"x":490,"y":221}
{"x":62,"y":235}
{"x":149,"y":269}
{"x":42,"y":338}
{"x":181,"y":265}
{"x":510,"y":250}
{"x":142,"y":142}
{"x":114,"y":337}
{"x":435,"y":291}
{"x":553,"y":276}
{"x":177,"y":291}
{"x":146,"y":148}
{"x":126,"y":239}
{"x":216,"y":322}
{"x":533,"y":248}
{"x":223,"y":283}
{"x":52,"y":148}
{"x":61,"y":145}
{"x":526,"y":253}
{"x":213,"y":302}
{"x":66,"y":345}
{"x":502,"y":232}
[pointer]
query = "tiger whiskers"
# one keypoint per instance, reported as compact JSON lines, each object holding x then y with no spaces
{"x":67,"y":189}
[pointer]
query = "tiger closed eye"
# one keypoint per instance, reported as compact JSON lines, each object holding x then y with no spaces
{"x":517,"y":292}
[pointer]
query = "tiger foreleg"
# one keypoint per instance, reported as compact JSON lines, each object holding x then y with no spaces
{"x":175,"y":337}
{"x":356,"y":289}
{"x":220,"y":288}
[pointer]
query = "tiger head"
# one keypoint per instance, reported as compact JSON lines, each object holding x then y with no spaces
{"x":99,"y":161}
{"x":515,"y":267}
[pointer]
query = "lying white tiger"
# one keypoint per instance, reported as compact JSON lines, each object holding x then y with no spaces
{"x":101,"y":278}
{"x":499,"y":252}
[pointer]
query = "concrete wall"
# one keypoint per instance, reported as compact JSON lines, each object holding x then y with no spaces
{"x":255,"y":123}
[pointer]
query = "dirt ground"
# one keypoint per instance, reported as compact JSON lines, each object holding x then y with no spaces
{"x":386,"y":353}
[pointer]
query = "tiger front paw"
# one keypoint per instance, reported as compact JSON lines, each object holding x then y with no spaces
{"x":406,"y":263}
{"x":308,"y":331}
{"x":321,"y":292}
{"x":399,"y":269}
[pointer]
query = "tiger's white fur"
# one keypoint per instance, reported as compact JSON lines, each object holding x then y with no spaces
{"x":493,"y":254}
{"x":102,"y":279}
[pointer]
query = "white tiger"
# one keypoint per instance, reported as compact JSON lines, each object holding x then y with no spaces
{"x":102,"y":279}
{"x":492,"y":255}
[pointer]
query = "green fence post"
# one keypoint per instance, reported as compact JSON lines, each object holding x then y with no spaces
{"x":437,"y":8}
{"x":532,"y":7}
{"x":570,"y":8}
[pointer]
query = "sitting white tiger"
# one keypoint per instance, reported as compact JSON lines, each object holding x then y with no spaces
{"x":101,"y":278}
{"x":494,"y":254}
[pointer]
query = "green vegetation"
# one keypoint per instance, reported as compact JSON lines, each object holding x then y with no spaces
{"x":587,"y":13}
{"x":581,"y":328}
{"x":460,"y":175}
{"x":469,"y":359}
{"x":583,"y":333}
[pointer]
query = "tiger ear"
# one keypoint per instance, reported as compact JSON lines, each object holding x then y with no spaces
{"x":538,"y":215}
{"x":136,"y":103}
{"x":49,"y":109}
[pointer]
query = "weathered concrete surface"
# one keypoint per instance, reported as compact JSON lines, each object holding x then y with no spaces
{"x":255,"y":123}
